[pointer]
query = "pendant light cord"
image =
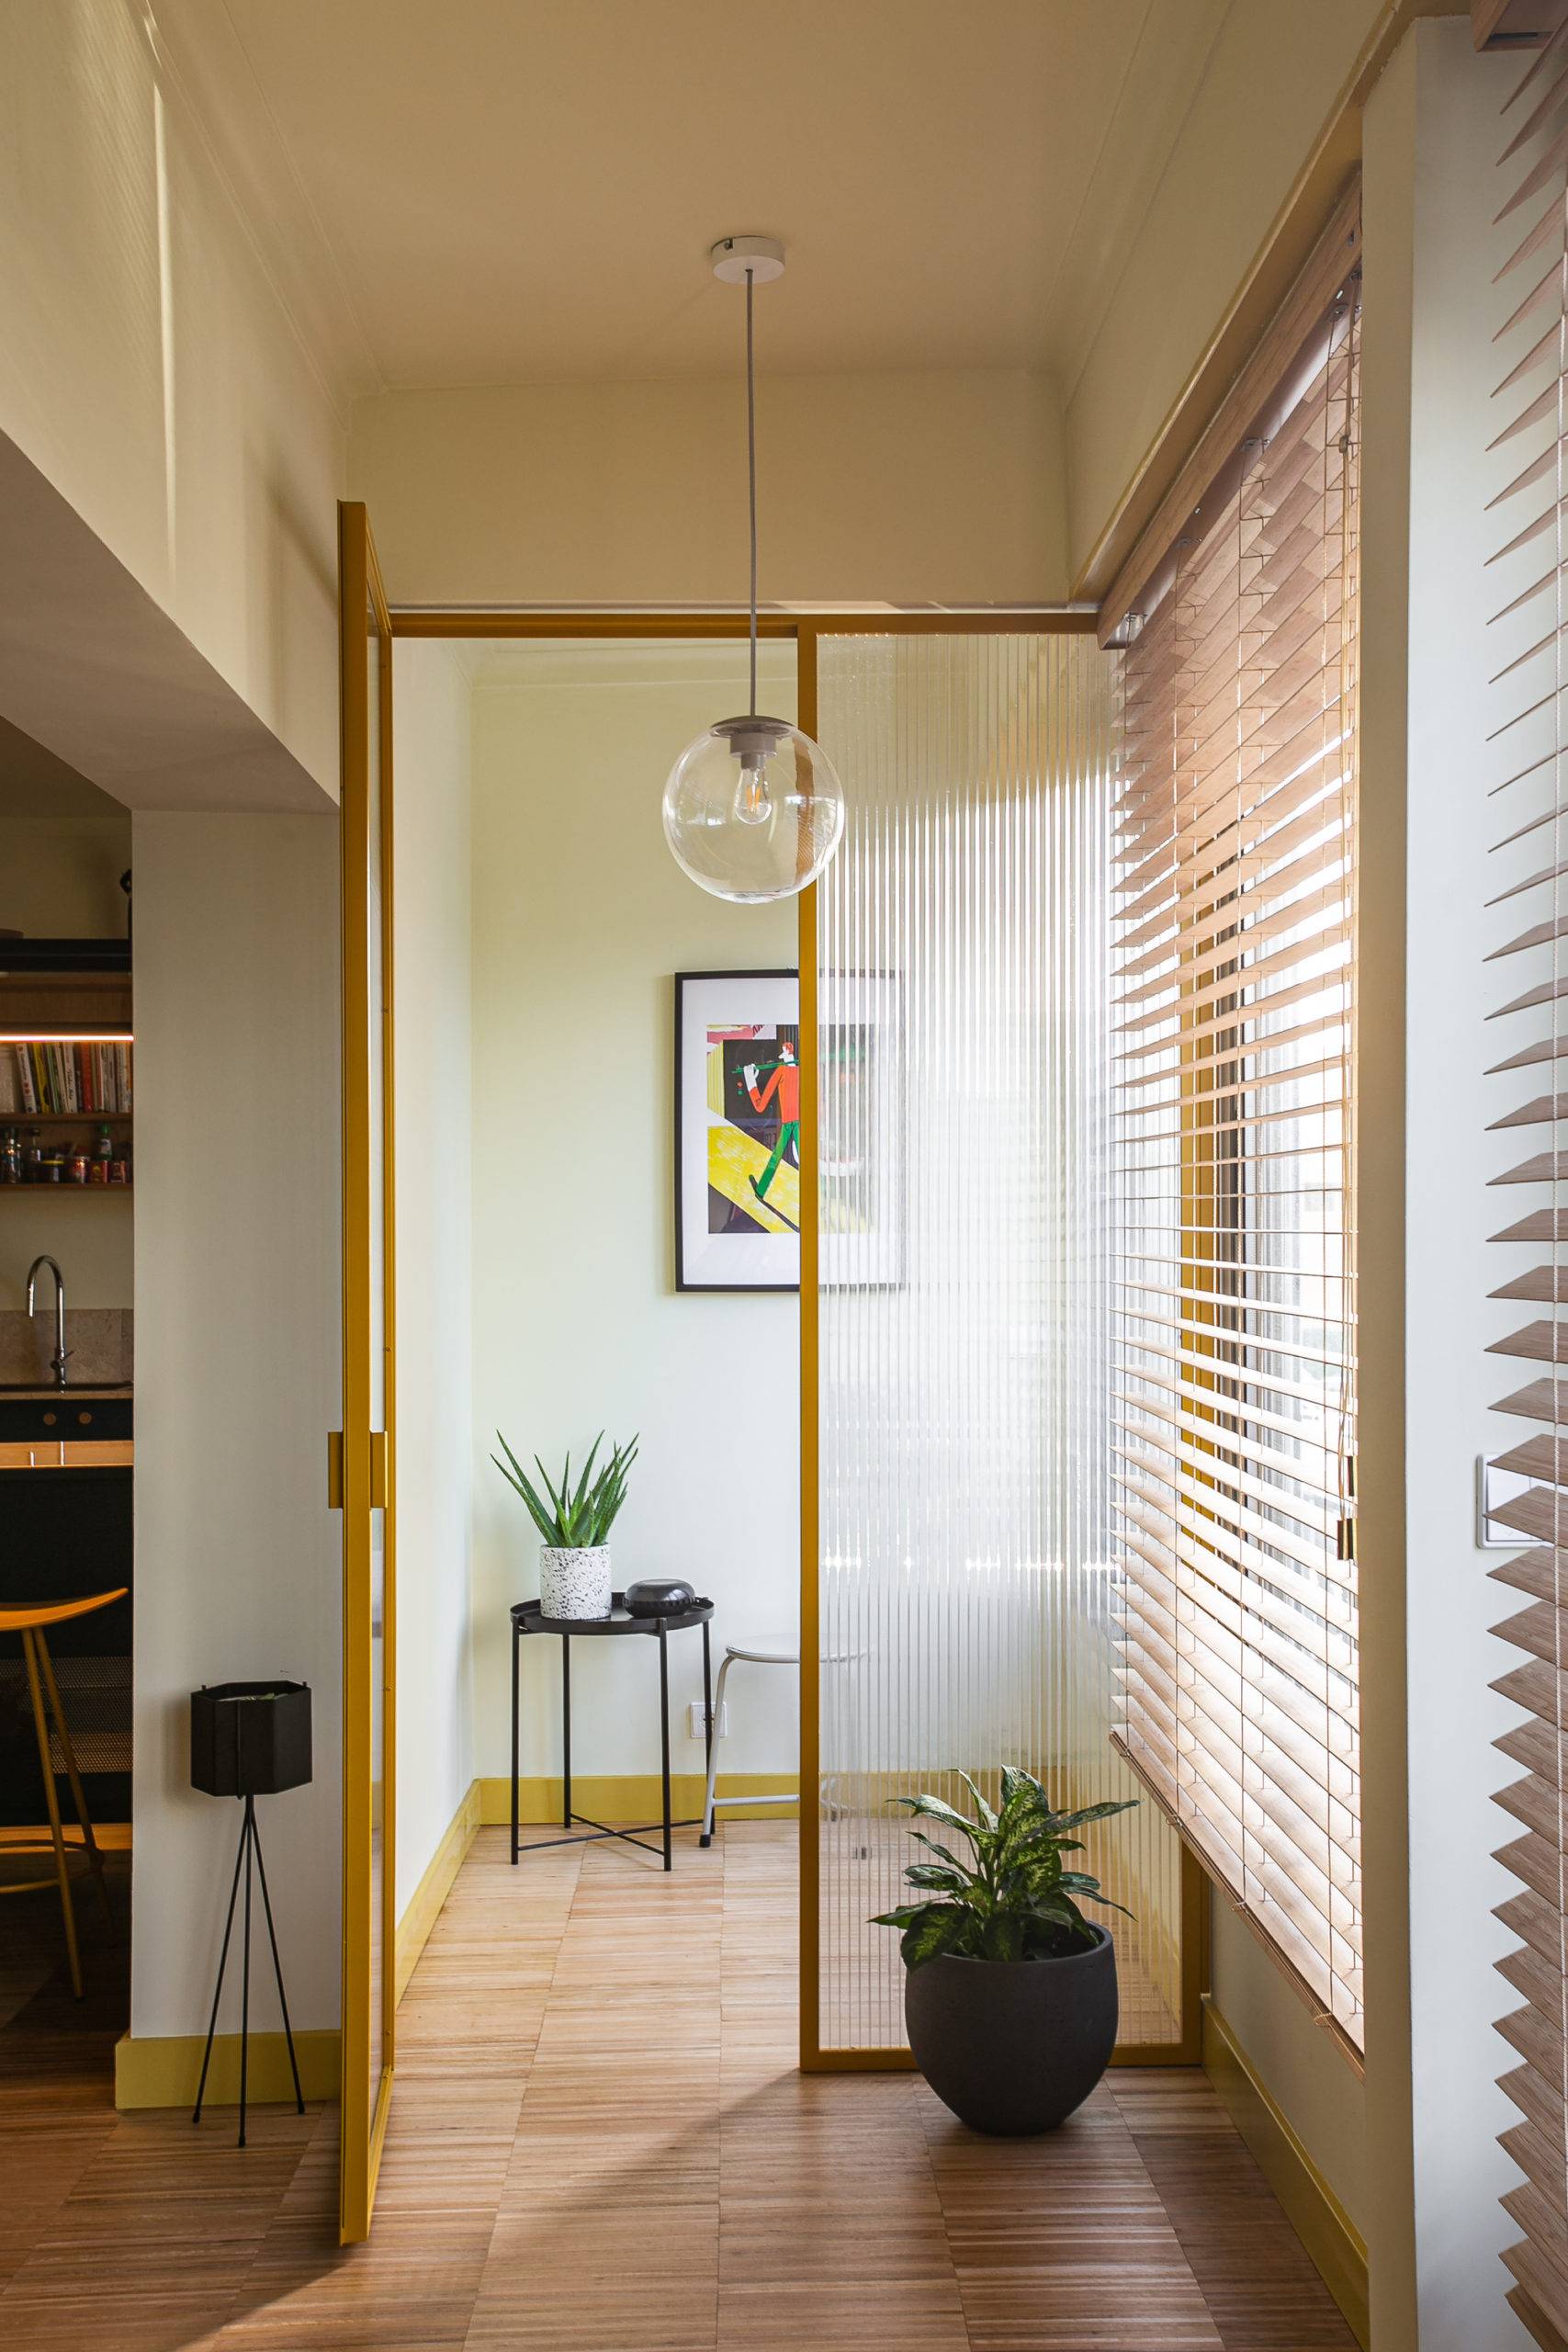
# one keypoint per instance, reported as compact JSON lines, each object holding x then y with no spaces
{"x":751,"y":475}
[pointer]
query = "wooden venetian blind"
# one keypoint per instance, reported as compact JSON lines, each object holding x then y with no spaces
{"x":1235,"y":965}
{"x":1527,"y":773}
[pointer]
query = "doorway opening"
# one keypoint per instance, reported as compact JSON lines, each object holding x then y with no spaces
{"x":66,"y":1409}
{"x":545,"y":1107}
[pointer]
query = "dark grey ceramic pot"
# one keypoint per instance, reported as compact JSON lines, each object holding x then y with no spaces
{"x":1014,"y":2046}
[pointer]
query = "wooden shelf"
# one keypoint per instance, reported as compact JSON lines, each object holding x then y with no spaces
{"x":65,"y":1118}
{"x":55,"y":1192}
{"x":40,"y":1004}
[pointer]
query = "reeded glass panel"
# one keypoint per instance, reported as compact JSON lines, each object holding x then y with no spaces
{"x":967,"y":1616}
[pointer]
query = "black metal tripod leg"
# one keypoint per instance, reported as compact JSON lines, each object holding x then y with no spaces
{"x":250,"y":1834}
{"x":516,"y":1645}
{"x":217,"y":1988}
{"x":277,"y":1971}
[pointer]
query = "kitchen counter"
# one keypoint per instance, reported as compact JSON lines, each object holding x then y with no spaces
{"x":46,"y":1392}
{"x":66,"y":1454}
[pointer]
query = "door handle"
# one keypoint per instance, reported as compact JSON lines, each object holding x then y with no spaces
{"x":377,"y":1469}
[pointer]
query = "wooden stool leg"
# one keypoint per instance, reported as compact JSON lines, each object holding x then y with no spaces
{"x":95,"y":1854}
{"x":62,"y":1870}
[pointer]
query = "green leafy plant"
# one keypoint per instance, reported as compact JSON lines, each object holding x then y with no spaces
{"x":1013,"y":1899}
{"x":575,"y":1518}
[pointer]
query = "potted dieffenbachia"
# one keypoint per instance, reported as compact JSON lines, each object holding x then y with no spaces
{"x":574,"y":1563}
{"x":1010,"y":1993}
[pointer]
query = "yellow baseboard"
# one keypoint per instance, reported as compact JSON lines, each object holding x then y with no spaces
{"x":162,"y":2070}
{"x":1315,"y":2213}
{"x":423,"y":1906}
{"x":634,"y":1796}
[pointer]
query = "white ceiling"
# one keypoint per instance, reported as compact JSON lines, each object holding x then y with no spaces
{"x":500,"y":191}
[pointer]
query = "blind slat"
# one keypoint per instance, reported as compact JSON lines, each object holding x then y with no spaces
{"x":1234,"y":1013}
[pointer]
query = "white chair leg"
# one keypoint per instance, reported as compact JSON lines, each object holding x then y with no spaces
{"x":706,"y":1838}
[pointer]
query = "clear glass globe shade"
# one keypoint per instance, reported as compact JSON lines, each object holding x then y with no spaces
{"x":753,"y":810}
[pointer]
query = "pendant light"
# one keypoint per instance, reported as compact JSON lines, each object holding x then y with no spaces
{"x":753,"y":810}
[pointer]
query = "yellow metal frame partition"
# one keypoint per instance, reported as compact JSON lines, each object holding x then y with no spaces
{"x":361,"y":1477}
{"x":806,"y":629}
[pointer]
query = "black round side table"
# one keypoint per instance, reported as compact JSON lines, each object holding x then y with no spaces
{"x":527,"y":1618}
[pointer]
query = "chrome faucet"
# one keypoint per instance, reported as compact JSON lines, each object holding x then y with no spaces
{"x":57,"y":1361}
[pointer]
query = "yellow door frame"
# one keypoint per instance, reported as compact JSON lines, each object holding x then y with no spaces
{"x":807,"y":627}
{"x":362,"y":1476}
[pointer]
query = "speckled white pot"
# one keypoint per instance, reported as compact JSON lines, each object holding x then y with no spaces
{"x":574,"y":1583}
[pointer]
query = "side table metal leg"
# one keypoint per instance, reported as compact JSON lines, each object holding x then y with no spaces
{"x":516,"y":1645}
{"x":707,"y":1697}
{"x":664,"y":1737}
{"x":712,"y":1735}
{"x":565,"y":1730}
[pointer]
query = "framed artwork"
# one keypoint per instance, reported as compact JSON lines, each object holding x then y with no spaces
{"x":736,"y":1130}
{"x":738,"y":1172}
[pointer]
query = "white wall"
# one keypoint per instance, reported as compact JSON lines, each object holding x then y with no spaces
{"x":238,"y":1558}
{"x":1307,"y":2075}
{"x":434,"y":1269}
{"x":581,"y":920}
{"x":59,"y":876}
{"x":942,"y":485}
{"x":1272,"y":80}
{"x":1431,"y":135}
{"x":90,"y":1240}
{"x":148,"y":368}
{"x":171,"y":454}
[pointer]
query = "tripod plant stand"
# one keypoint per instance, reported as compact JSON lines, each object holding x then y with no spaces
{"x":249,"y":1739}
{"x":250,"y":1848}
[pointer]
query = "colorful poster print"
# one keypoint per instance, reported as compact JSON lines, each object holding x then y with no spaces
{"x":737,"y":1130}
{"x":753,"y":1137}
{"x":737,"y":1157}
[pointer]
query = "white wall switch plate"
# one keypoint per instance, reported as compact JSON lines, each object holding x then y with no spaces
{"x":698,"y":1717}
{"x":1495,"y":1488}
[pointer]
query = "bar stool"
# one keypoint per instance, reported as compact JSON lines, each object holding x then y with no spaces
{"x":733,"y":1657}
{"x":30,"y":1620}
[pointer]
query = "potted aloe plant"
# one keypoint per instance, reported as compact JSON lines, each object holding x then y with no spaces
{"x":1010,"y":1993}
{"x":574,"y":1564}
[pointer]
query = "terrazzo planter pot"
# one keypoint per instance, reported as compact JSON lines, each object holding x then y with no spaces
{"x":1013,"y":2046}
{"x":574,"y":1583}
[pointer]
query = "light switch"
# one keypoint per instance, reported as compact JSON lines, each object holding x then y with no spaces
{"x":1493,"y":1487}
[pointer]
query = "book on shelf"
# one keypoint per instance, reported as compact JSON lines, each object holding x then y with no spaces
{"x":75,"y":1080}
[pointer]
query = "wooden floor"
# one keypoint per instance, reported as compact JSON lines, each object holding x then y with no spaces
{"x":600,"y":2143}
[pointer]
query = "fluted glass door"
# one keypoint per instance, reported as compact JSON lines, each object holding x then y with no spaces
{"x":962,"y":1316}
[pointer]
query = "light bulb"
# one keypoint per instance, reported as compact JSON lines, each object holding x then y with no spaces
{"x":753,"y":802}
{"x":753,"y":810}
